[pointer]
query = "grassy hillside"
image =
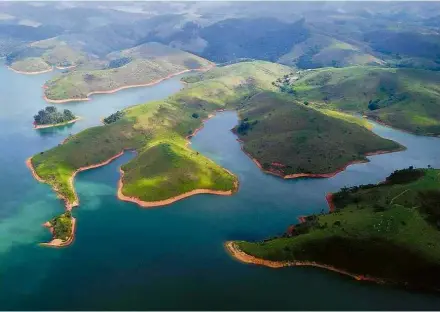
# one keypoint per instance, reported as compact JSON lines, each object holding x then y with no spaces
{"x":45,"y":54}
{"x":390,"y":230}
{"x":164,"y":166}
{"x":157,"y":132}
{"x":60,"y":53}
{"x":31,"y":65}
{"x":404,"y":98}
{"x":287,"y":137}
{"x":322,"y":51}
{"x":140,"y":65}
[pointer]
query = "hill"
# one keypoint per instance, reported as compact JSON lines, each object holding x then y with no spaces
{"x":322,"y":51}
{"x":386,"y":233}
{"x":291,"y":139}
{"x":141,"y":65}
{"x":42,"y":55}
{"x":157,"y":131}
{"x":408,"y":99}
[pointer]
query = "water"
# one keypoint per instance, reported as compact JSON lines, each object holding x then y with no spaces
{"x":126,"y":257}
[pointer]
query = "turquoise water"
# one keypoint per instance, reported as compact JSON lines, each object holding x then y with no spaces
{"x":126,"y":257}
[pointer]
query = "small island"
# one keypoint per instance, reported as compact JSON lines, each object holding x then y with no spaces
{"x":385,"y":233}
{"x":51,"y":117}
{"x":62,"y":228}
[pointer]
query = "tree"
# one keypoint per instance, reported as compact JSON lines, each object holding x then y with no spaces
{"x":51,"y":109}
{"x":68,"y":115}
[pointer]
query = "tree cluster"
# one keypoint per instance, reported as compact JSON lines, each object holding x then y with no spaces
{"x":62,"y":226}
{"x":245,"y":126}
{"x":113,"y":117}
{"x":119,"y":62}
{"x":50,"y":115}
{"x":405,"y":176}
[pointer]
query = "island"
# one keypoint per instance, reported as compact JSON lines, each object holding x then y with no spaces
{"x":385,"y":233}
{"x":62,"y":229}
{"x":403,"y":98}
{"x":51,"y":117}
{"x":140,"y":66}
{"x":166,"y":169}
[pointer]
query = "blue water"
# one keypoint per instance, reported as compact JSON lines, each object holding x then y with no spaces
{"x":127,"y":257}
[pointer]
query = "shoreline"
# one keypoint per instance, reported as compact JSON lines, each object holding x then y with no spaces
{"x":318,"y":175}
{"x":30,"y":73}
{"x":56,"y":242}
{"x":165,"y":202}
{"x":69,"y":205}
{"x":241,"y":256}
{"x":330,"y":203}
{"x":87,"y":98}
{"x":36,"y":127}
{"x":65,"y":67}
{"x":41,"y":71}
{"x":382,"y":123}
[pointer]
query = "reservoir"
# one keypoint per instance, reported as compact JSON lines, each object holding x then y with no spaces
{"x":129,"y":258}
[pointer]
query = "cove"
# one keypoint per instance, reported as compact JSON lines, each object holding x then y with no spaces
{"x":127,"y":257}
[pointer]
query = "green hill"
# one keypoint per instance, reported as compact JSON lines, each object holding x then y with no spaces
{"x":290,"y":138}
{"x":42,"y":55}
{"x":157,"y":132}
{"x":322,"y":51}
{"x":140,"y":65}
{"x":388,"y":231}
{"x":408,"y":99}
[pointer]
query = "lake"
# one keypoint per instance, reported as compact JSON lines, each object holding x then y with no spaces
{"x":129,"y":258}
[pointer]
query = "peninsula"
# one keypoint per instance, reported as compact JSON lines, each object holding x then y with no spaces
{"x":289,"y":139}
{"x":386,"y":233}
{"x":42,"y":56}
{"x":403,"y":98}
{"x":141,"y":66}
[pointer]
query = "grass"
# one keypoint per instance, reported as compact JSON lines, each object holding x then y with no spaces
{"x":146,"y":64}
{"x":407,"y":99}
{"x":42,"y":55}
{"x":287,"y":137}
{"x":31,"y":64}
{"x":166,"y":167}
{"x":321,"y":51}
{"x":166,"y":170}
{"x":347,"y":117}
{"x":382,"y":230}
